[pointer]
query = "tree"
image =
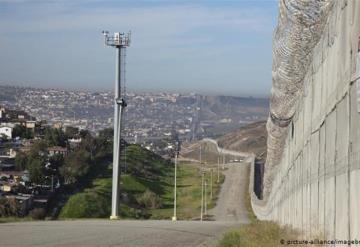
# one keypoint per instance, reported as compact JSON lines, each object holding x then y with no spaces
{"x":22,"y":132}
{"x":34,"y":162}
{"x":71,"y":132}
{"x":39,"y":148}
{"x":84,"y":133}
{"x":36,"y":169}
{"x":56,"y":161}
{"x":18,"y":131}
{"x":107,"y":134}
{"x":21,"y":161}
{"x":55,"y":137}
{"x":76,"y":166}
{"x":9,"y":207}
{"x":89,"y":144}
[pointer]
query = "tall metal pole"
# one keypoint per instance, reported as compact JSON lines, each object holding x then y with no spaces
{"x":117,"y":132}
{"x":200,"y":155}
{"x":211,"y":184}
{"x":174,"y":218}
{"x":202,"y":194}
{"x":205,"y":204}
{"x":119,"y":41}
{"x":223,"y":166}
{"x":218,"y":170}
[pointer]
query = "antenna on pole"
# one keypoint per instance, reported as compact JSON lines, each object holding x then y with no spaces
{"x":119,"y":41}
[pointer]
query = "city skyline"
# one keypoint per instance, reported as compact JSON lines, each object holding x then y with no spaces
{"x":210,"y":47}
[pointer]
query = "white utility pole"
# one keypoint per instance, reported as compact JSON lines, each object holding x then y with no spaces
{"x":205,"y":198}
{"x":218,"y":170}
{"x":174,"y":218}
{"x":202,"y":194}
{"x":119,"y":41}
{"x":200,"y":155}
{"x":223,"y":166}
{"x":211,"y":183}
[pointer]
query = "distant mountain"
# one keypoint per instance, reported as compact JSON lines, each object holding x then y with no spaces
{"x":249,"y":138}
{"x":235,"y":107}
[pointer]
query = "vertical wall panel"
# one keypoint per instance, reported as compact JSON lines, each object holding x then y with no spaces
{"x":354,"y":166}
{"x":341,"y":166}
{"x":298,"y":200}
{"x":307,"y":165}
{"x":322,"y":153}
{"x":330,"y":195}
{"x":314,"y":170}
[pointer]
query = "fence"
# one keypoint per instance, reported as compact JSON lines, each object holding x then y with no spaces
{"x":317,"y":183}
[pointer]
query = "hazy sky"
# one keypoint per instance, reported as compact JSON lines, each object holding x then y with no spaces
{"x":209,"y":46}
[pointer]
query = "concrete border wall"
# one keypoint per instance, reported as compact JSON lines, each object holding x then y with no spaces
{"x":317,"y":184}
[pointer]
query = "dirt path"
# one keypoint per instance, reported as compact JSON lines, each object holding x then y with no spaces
{"x":230,"y":205}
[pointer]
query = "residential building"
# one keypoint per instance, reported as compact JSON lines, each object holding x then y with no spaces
{"x":57,"y":150}
{"x":6,"y":131}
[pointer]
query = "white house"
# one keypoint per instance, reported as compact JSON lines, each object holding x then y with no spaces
{"x":7,"y":131}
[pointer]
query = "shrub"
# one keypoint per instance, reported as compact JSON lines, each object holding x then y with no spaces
{"x":86,"y":205}
{"x":149,"y":200}
{"x":38,"y":214}
{"x":9,"y":207}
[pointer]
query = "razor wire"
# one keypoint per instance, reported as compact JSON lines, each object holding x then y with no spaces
{"x":300,"y":26}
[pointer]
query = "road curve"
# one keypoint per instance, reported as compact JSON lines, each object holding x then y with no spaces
{"x":128,"y":233}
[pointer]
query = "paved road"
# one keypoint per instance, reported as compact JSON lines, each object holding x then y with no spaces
{"x":230,"y":205}
{"x":229,"y":212}
{"x":112,"y":233}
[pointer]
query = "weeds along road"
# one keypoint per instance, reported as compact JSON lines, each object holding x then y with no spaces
{"x":229,"y":212}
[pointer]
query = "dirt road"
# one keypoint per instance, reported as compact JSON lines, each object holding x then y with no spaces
{"x":230,"y":205}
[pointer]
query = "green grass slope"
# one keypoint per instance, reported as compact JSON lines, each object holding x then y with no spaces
{"x":146,"y":172}
{"x":146,"y":190}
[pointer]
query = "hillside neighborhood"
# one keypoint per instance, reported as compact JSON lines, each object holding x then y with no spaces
{"x":36,"y":160}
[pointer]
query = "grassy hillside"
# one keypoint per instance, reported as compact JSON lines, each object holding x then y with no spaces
{"x":145,"y":172}
{"x":209,"y":153}
{"x":189,"y":193}
{"x":146,"y":190}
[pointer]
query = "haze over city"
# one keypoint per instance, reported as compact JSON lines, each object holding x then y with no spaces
{"x":210,"y":47}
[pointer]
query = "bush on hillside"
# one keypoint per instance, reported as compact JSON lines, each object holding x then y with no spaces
{"x":9,"y":207}
{"x":38,"y":214}
{"x":86,"y":205}
{"x":149,"y":200}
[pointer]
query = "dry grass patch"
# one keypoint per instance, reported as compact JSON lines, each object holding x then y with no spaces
{"x":260,"y":234}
